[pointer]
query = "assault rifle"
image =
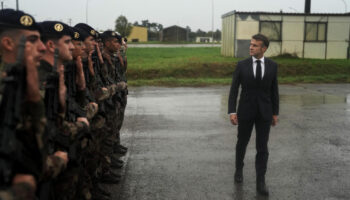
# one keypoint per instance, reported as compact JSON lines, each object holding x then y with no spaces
{"x":52,"y":107}
{"x":10,"y":113}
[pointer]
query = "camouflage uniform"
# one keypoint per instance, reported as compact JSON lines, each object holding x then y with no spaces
{"x":64,"y":132}
{"x":31,"y":156}
{"x":122,"y":96}
{"x":20,"y":191}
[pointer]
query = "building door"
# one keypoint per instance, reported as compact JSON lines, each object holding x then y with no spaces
{"x":242,"y":48}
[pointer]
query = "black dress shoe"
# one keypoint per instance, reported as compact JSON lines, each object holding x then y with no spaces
{"x":239,"y":176}
{"x":262,"y":188}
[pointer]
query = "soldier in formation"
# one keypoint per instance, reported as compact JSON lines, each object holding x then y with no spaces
{"x":63,"y":93}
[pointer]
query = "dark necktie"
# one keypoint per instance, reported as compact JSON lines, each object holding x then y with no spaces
{"x":258,"y":70}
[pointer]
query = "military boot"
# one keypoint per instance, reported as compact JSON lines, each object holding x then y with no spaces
{"x":116,"y":163}
{"x":99,"y":196}
{"x":120,"y":149}
{"x":110,"y":178}
{"x":101,"y":190}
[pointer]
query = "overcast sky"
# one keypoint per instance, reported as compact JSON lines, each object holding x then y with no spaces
{"x":196,"y":14}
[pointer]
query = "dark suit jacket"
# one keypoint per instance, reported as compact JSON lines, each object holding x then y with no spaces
{"x":257,"y":98}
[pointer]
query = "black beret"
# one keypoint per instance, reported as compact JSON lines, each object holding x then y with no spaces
{"x":88,"y":29}
{"x":111,"y":34}
{"x":55,"y":29}
{"x":10,"y":18}
{"x":78,"y":34}
{"x":98,"y":35}
{"x":108,"y":34}
{"x":119,"y":37}
{"x":82,"y":34}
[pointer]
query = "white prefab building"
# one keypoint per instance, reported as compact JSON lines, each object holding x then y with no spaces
{"x":323,"y":36}
{"x":204,"y":40}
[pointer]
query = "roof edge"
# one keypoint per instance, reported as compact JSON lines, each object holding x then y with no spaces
{"x":283,"y":13}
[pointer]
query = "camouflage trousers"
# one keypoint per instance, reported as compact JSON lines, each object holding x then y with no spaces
{"x":120,"y":112}
{"x":66,"y":184}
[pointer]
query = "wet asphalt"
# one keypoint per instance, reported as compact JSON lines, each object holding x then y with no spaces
{"x":182,"y":145}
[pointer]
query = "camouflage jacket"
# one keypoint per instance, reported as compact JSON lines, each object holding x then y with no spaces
{"x":20,"y":191}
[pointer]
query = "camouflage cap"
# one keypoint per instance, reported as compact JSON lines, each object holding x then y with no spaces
{"x":14,"y":19}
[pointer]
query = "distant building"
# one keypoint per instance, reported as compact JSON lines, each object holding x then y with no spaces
{"x":307,"y":35}
{"x":204,"y":39}
{"x":138,"y":34}
{"x":174,"y":34}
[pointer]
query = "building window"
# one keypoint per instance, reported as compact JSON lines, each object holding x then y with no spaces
{"x":315,"y":32}
{"x":271,"y":29}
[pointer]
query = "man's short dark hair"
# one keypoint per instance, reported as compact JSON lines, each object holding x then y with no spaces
{"x":263,"y":38}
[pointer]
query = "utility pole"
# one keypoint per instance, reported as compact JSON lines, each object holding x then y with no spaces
{"x":2,"y":5}
{"x":87,"y":10}
{"x":348,"y":56}
{"x":17,"y":5}
{"x":346,"y":6}
{"x":212,"y":21}
{"x":70,"y":21}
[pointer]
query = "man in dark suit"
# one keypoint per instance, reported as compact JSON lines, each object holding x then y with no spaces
{"x":258,"y":105}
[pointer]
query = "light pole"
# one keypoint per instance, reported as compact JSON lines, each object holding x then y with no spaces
{"x":212,"y":21}
{"x":346,"y":6}
{"x":87,"y":10}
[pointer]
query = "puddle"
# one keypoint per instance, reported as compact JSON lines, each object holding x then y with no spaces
{"x":313,"y":99}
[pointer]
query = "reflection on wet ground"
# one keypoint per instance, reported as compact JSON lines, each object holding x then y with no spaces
{"x":312,"y":99}
{"x":182,"y":146}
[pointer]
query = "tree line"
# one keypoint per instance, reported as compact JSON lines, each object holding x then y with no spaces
{"x":124,"y":27}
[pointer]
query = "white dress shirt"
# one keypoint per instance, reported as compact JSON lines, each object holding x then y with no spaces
{"x":262,"y":66}
{"x":254,"y":68}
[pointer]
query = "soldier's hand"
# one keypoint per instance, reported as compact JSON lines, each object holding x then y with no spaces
{"x":91,"y":64}
{"x":79,"y":64}
{"x":233,"y":119}
{"x":62,"y":87}
{"x":80,"y":74}
{"x":31,"y":60}
{"x":95,"y":105}
{"x":24,"y":178}
{"x":107,"y":57}
{"x":121,"y":85}
{"x":63,"y":155}
{"x":83,"y":120}
{"x":29,"y":55}
{"x":99,"y":54}
{"x":92,"y":109}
